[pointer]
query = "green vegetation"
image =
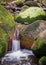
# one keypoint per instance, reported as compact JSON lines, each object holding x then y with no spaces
{"x":20,"y":3}
{"x":6,"y":0}
{"x":3,"y":41}
{"x":40,"y":48}
{"x":31,"y":14}
{"x":6,"y":19}
{"x":42,"y":60}
{"x":6,"y":25}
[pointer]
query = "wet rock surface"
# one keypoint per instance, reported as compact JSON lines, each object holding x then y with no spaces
{"x":29,"y":34}
{"x":42,"y":35}
{"x":31,"y":3}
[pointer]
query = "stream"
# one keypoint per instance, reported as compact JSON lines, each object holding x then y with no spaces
{"x":17,"y":54}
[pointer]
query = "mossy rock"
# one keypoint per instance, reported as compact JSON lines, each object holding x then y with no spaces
{"x":39,"y":47}
{"x":6,"y":20}
{"x":20,"y":3}
{"x":42,"y":60}
{"x":29,"y":33}
{"x":3,"y":42}
{"x":31,"y":3}
{"x":31,"y":14}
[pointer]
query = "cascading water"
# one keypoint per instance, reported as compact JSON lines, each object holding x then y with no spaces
{"x":17,"y":54}
{"x":16,"y":41}
{"x":15,"y":45}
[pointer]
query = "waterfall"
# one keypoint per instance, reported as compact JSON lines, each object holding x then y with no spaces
{"x":17,"y":54}
{"x":16,"y":41}
{"x":15,"y":45}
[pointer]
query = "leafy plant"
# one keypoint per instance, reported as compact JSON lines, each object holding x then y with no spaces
{"x":42,"y":60}
{"x":3,"y":41}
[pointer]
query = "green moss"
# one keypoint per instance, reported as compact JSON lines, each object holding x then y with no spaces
{"x":31,"y":14}
{"x":6,"y":25}
{"x":6,"y":19}
{"x":3,"y":41}
{"x":42,"y":60}
{"x":40,"y":48}
{"x":20,"y":3}
{"x":1,"y":1}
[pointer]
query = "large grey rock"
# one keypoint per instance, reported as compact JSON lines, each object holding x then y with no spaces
{"x":30,"y":33}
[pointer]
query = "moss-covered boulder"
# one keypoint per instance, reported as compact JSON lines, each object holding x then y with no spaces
{"x":39,"y":47}
{"x":6,"y":20}
{"x":30,"y":32}
{"x":3,"y":42}
{"x":42,"y":60}
{"x":31,"y":14}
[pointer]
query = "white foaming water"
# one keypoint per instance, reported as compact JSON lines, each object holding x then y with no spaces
{"x":17,"y":55}
{"x":15,"y":45}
